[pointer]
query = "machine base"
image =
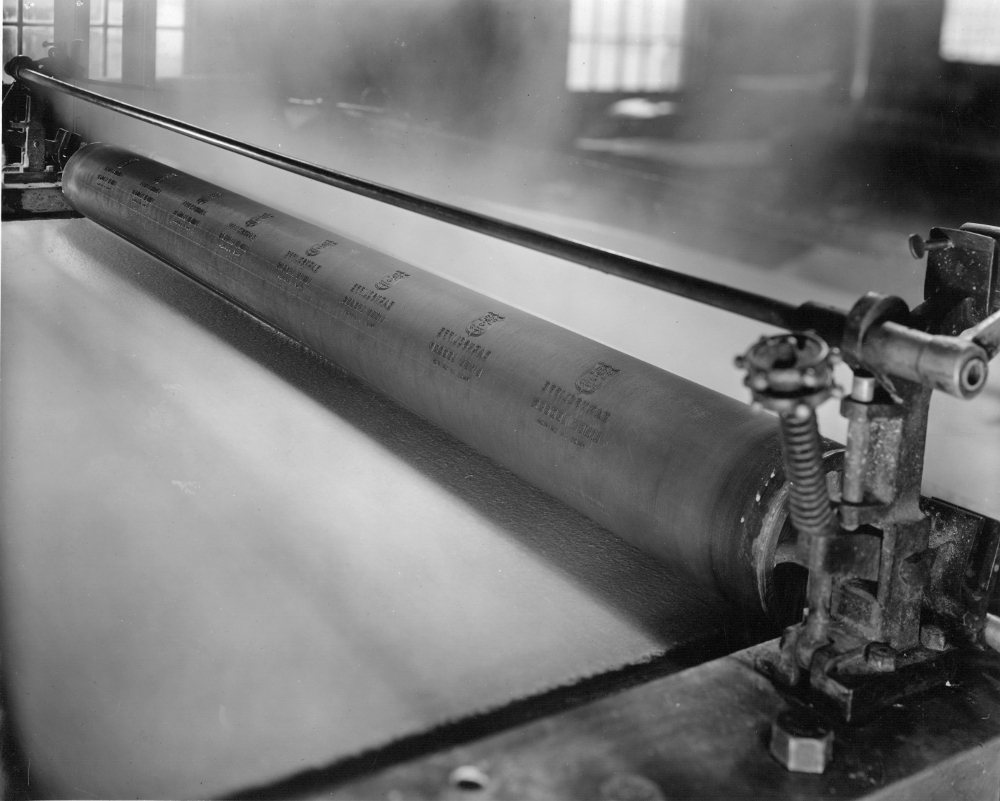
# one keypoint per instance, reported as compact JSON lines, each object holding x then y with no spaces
{"x":704,"y":733}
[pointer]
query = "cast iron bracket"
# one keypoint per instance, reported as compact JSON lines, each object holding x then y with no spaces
{"x":900,"y":585}
{"x":27,"y":122}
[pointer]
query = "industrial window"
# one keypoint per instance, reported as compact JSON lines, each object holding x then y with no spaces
{"x":106,"y":39}
{"x":970,"y":31}
{"x":625,"y":45}
{"x":107,"y":31}
{"x":26,"y":24}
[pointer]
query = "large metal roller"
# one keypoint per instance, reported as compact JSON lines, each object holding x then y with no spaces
{"x":686,"y":474}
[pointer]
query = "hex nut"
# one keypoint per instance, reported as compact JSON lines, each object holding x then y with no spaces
{"x":933,"y":638}
{"x":880,"y":657}
{"x":801,"y":742}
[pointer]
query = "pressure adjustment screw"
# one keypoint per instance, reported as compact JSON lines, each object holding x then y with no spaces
{"x":792,"y":374}
{"x":919,"y":246}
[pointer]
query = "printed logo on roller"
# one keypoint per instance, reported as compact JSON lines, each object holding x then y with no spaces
{"x":315,"y":250}
{"x":595,"y":378}
{"x":259,"y":218}
{"x":478,"y":326}
{"x":389,"y":280}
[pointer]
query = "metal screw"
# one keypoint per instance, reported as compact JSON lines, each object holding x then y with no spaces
{"x":880,"y":657}
{"x":919,"y":246}
{"x":801,"y":742}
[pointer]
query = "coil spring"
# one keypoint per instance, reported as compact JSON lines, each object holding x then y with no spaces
{"x":808,"y":498}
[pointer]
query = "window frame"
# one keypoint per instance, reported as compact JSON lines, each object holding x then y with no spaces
{"x":138,"y":26}
{"x":104,"y":26}
{"x":19,"y":24}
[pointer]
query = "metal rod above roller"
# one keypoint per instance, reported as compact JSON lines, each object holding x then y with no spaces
{"x":739,"y":301}
{"x":963,"y":358}
{"x":683,"y":472}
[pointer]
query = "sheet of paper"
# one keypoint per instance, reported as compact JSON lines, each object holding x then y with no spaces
{"x":225,"y":561}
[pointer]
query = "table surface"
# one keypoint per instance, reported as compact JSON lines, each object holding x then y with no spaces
{"x":225,"y":561}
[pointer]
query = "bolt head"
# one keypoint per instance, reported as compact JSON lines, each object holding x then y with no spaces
{"x":801,"y":742}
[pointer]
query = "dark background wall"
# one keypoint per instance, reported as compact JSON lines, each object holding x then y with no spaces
{"x":488,"y":65}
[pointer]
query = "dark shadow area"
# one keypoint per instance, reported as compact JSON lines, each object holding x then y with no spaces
{"x":315,"y":780}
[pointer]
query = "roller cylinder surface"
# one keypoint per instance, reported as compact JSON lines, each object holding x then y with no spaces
{"x":679,"y":470}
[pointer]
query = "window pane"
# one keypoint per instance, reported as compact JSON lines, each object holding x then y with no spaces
{"x":609,"y":19}
{"x":635,"y":19}
{"x":114,"y":12}
{"x":606,"y":76}
{"x":670,"y":77}
{"x":581,"y":18}
{"x":9,"y":48}
{"x":96,"y":12}
{"x":114,"y":46}
{"x":96,"y":53}
{"x":32,"y":38}
{"x":652,"y":65}
{"x":659,"y":56}
{"x":970,"y":31}
{"x":661,"y":15}
{"x":9,"y":13}
{"x":169,"y":53}
{"x":170,"y":14}
{"x":632,"y":58}
{"x":579,"y":66}
{"x":38,"y":10}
